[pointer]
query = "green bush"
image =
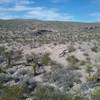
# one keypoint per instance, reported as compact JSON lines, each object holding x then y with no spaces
{"x":2,"y":70}
{"x":46,"y":59}
{"x":49,"y":93}
{"x":1,"y":85}
{"x":93,"y":77}
{"x":96,"y":94}
{"x":89,"y":68}
{"x":12,"y":93}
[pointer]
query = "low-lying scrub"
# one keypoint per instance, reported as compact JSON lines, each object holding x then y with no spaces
{"x":96,"y":94}
{"x":45,"y":59}
{"x":72,"y":60}
{"x":50,"y":93}
{"x":62,"y":77}
{"x":11,"y":92}
{"x":71,"y":48}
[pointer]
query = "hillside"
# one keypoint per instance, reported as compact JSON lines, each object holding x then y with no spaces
{"x":49,"y":60}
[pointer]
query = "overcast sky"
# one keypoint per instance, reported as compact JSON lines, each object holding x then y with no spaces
{"x":61,"y":10}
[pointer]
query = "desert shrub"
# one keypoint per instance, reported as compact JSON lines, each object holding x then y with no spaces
{"x":86,"y":54}
{"x":1,"y":85}
{"x":1,"y":90}
{"x":62,"y":77}
{"x":34,"y":66}
{"x":17,"y":55}
{"x":12,"y":93}
{"x":2,"y":49}
{"x":94,"y":49}
{"x":55,"y":43}
{"x":77,"y":98}
{"x":72,"y":60}
{"x":71,"y":49}
{"x":83,"y":62}
{"x":89,"y":68}
{"x":92,"y":77}
{"x":9,"y":56}
{"x":98,"y":71}
{"x":96,"y":94}
{"x":2,"y":70}
{"x":29,"y":58}
{"x":50,"y":93}
{"x":45,"y":59}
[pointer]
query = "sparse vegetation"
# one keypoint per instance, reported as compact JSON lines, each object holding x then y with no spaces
{"x":11,"y":92}
{"x":2,"y":70}
{"x":19,"y":38}
{"x":89,"y":69}
{"x":62,"y":77}
{"x":50,"y":93}
{"x":45,"y":59}
{"x":82,"y":62}
{"x":34,"y":68}
{"x":71,"y":48}
{"x":96,"y":94}
{"x":8,"y":55}
{"x":94,"y":49}
{"x":73,"y":62}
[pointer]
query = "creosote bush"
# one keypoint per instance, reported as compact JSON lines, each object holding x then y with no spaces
{"x":62,"y":77}
{"x":92,"y":77}
{"x":2,"y":70}
{"x":89,"y":68}
{"x":82,"y":62}
{"x":72,"y":60}
{"x":50,"y":93}
{"x":12,"y":92}
{"x":96,"y":94}
{"x":95,"y":77}
{"x":71,"y":48}
{"x":45,"y":59}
